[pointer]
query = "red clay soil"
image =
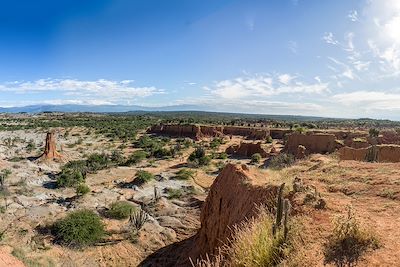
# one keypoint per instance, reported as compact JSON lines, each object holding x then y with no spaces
{"x":314,"y":143}
{"x":247,"y":149}
{"x":50,"y":150}
{"x":233,"y":197}
{"x":7,"y":260}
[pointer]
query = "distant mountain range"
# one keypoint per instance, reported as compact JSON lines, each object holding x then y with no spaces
{"x":95,"y":108}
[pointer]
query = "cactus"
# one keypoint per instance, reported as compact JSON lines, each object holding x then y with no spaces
{"x":279,"y":206}
{"x":156,"y":194}
{"x":372,"y":154}
{"x":137,"y":219}
{"x":287,"y":207}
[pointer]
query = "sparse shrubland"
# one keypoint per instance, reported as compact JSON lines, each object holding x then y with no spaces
{"x":281,"y":161}
{"x":143,"y":177}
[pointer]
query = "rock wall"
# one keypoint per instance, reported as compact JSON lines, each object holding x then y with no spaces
{"x":233,"y":197}
{"x":279,"y":133}
{"x":200,"y":131}
{"x":384,"y":153}
{"x":314,"y":143}
{"x":247,"y":149}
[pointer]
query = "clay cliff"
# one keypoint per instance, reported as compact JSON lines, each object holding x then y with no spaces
{"x":233,"y":197}
{"x":378,"y":153}
{"x":203,"y":131}
{"x":313,"y":143}
{"x":245,"y":149}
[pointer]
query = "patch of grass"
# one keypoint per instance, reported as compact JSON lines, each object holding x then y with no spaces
{"x":79,"y":228}
{"x":349,"y":241}
{"x":143,"y":177}
{"x":30,"y":262}
{"x":82,"y":189}
{"x":184,"y":174}
{"x":281,"y":161}
{"x":175,"y":193}
{"x":120,"y":210}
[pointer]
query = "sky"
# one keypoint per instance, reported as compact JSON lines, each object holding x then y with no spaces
{"x":335,"y":58}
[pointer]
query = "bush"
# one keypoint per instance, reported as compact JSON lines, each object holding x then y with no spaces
{"x":269,"y":140}
{"x":256,"y":158}
{"x":348,"y":242}
{"x":199,"y":158}
{"x":281,"y":161}
{"x":117,"y":157}
{"x":97,"y":162}
{"x":136,"y":157}
{"x":174,"y":193}
{"x":222,"y":155}
{"x":82,"y":189}
{"x":184,"y":174}
{"x":79,"y":228}
{"x":143,"y":177}
{"x":70,"y":178}
{"x":120,"y":210}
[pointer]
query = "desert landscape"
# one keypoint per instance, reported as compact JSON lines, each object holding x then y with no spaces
{"x":143,"y":190}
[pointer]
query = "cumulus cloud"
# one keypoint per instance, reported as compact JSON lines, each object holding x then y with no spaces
{"x":369,"y":100}
{"x":81,"y":91}
{"x":264,"y":86}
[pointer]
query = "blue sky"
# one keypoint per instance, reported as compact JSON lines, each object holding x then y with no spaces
{"x":337,"y":58}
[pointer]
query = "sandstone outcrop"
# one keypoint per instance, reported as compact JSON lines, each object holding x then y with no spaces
{"x":204,"y":131}
{"x":233,"y":197}
{"x":245,"y":149}
{"x":314,"y":143}
{"x":50,"y":150}
{"x":279,"y":133}
{"x":380,"y":153}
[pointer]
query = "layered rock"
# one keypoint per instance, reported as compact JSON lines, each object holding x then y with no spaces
{"x":245,"y":149}
{"x":50,"y":150}
{"x":314,"y":143}
{"x":279,"y":133}
{"x":378,"y":153}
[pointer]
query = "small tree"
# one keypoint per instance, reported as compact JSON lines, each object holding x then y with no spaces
{"x":373,"y":132}
{"x":256,"y":158}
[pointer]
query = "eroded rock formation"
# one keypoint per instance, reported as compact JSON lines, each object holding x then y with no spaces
{"x":245,"y":149}
{"x":301,"y":152}
{"x":378,"y":153}
{"x":314,"y":143}
{"x":50,"y":150}
{"x":201,"y":131}
{"x":234,"y":196}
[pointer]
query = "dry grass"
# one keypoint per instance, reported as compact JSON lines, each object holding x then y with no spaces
{"x":253,"y":245}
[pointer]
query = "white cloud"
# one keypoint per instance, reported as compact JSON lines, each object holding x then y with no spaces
{"x":94,"y":91}
{"x":330,"y":39}
{"x":369,"y":100}
{"x":264,"y":86}
{"x":353,"y":15}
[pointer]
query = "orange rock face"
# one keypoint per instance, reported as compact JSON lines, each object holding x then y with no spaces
{"x":7,"y":259}
{"x":247,"y":149}
{"x":314,"y":143}
{"x":233,"y":197}
{"x":384,"y":153}
{"x":50,"y":150}
{"x":201,"y":131}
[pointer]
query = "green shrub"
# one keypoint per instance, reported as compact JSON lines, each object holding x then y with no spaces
{"x":136,"y":157}
{"x":82,"y":189}
{"x":120,"y":210}
{"x":269,"y":140}
{"x":79,"y":228}
{"x":256,"y":158}
{"x":143,"y":177}
{"x":70,"y":178}
{"x":184,"y":174}
{"x":117,"y":157}
{"x":373,"y":132}
{"x":97,"y":162}
{"x":199,"y":158}
{"x":174,"y":193}
{"x":348,"y":242}
{"x":222,"y":155}
{"x":281,"y":161}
